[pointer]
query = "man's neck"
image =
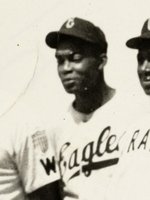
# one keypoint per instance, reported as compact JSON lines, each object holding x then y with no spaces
{"x":92,"y":100}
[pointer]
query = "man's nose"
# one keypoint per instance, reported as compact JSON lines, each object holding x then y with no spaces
{"x":146,"y":66}
{"x":67,"y":66}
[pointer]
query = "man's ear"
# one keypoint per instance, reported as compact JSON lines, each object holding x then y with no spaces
{"x":103,"y":61}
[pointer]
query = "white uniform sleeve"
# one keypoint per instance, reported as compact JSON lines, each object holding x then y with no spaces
{"x":35,"y":159}
{"x":10,"y":185}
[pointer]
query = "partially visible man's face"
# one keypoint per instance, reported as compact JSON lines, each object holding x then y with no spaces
{"x":144,"y":69}
{"x":77,"y":66}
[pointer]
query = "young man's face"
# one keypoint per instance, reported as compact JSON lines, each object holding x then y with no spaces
{"x":78,"y":67}
{"x":143,"y":58}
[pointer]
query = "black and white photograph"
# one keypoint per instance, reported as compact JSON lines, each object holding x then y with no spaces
{"x":74,"y":100}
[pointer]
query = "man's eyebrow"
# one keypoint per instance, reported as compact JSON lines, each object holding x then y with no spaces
{"x":67,"y":53}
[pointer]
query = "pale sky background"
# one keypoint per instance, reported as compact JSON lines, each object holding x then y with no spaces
{"x":28,"y":71}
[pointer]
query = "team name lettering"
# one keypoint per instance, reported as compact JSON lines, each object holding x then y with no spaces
{"x":106,"y":143}
{"x":132,"y":143}
{"x":49,"y":165}
{"x":136,"y":144}
{"x":144,"y":140}
{"x":73,"y":160}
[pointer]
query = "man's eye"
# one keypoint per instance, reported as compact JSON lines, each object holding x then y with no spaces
{"x":140,"y":58}
{"x":143,"y":55}
{"x":76,"y":57}
{"x":148,"y":56}
{"x":60,"y":60}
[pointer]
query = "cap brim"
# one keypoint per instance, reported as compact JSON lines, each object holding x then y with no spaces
{"x":138,"y":42}
{"x":51,"y":39}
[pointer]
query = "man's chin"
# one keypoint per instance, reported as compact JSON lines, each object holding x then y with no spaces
{"x":76,"y":90}
{"x":147,"y":91}
{"x":146,"y":87}
{"x":70,"y":90}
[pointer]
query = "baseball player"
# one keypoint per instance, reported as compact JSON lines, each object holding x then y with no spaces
{"x":25,"y":170}
{"x":86,"y":138}
{"x":131,"y":180}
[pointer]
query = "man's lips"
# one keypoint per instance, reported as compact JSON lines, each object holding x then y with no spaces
{"x":68,"y":81}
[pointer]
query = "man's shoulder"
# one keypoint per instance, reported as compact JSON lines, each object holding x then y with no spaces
{"x":15,"y":133}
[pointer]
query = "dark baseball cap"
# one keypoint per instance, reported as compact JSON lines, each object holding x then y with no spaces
{"x":78,"y":28}
{"x":143,"y":40}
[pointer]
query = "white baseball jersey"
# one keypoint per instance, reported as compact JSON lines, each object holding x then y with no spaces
{"x":25,"y":164}
{"x":87,"y":148}
{"x":132,"y":176}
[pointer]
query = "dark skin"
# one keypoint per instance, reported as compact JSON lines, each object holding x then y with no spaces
{"x":143,"y":58}
{"x":80,"y":69}
{"x":89,"y":103}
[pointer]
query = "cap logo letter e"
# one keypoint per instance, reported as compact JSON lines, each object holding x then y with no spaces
{"x":70,"y":23}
